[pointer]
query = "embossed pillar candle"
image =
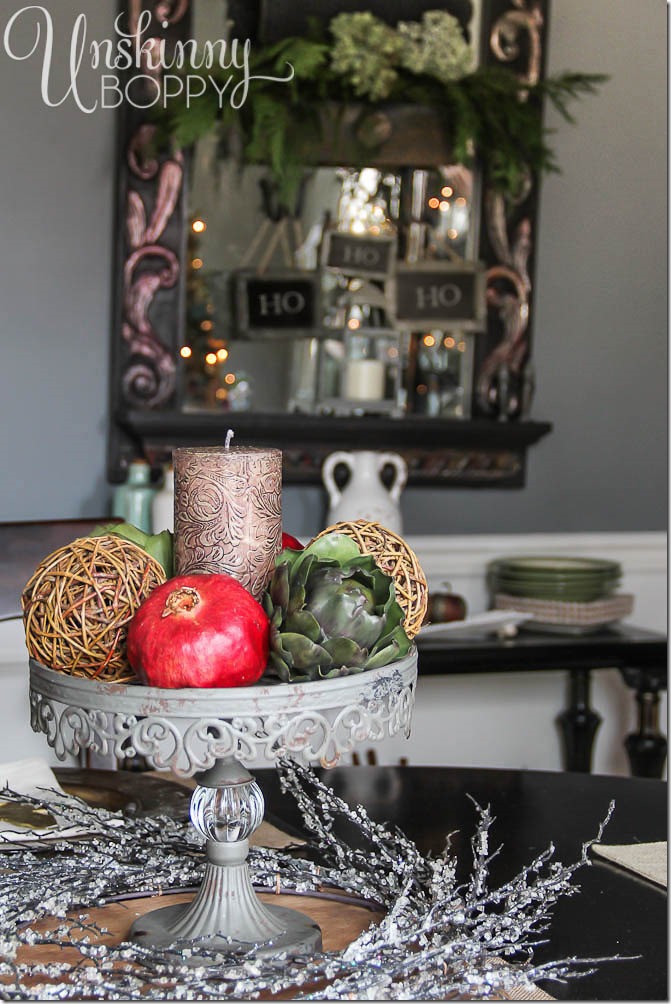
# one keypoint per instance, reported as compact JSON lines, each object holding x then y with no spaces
{"x":228,"y":512}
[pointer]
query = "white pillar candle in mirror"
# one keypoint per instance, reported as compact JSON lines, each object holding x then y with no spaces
{"x":364,"y":380}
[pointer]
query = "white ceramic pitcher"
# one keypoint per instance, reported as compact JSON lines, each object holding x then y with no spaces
{"x":365,"y":496}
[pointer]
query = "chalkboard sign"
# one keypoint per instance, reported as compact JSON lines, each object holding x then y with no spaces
{"x":275,"y":302}
{"x":354,"y":254}
{"x":438,"y":294}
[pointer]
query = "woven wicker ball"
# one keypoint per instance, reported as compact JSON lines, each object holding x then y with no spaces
{"x":395,"y":558}
{"x":79,"y":600}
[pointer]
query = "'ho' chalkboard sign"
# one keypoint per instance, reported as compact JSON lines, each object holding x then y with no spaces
{"x":276,"y":302}
{"x":354,"y":254}
{"x":438,"y":294}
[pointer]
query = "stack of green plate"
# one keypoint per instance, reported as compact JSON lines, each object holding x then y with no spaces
{"x":573,"y":580}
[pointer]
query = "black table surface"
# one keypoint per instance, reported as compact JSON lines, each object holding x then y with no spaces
{"x":614,"y":913}
{"x":617,"y":646}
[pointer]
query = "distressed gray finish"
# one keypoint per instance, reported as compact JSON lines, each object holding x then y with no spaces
{"x":188,"y":730}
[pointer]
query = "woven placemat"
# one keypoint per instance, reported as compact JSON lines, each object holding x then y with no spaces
{"x":592,"y":614}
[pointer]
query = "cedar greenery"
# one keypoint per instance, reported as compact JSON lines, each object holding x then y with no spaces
{"x":486,"y":114}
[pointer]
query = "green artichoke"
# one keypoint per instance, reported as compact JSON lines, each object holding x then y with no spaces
{"x":332,"y":611}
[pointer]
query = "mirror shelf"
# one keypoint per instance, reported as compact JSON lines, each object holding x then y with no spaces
{"x":150,"y":408}
{"x":477,"y":453}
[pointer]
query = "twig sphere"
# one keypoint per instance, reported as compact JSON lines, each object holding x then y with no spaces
{"x":79,"y":601}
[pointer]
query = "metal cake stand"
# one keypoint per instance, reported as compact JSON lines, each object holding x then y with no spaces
{"x":212,"y":734}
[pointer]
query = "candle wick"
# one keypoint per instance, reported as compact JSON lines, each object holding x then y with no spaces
{"x":229,"y":437}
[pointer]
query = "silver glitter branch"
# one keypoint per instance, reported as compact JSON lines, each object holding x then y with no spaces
{"x":436,"y":939}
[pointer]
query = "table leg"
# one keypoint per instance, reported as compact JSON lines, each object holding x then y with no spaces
{"x":647,"y":747}
{"x":579,"y":724}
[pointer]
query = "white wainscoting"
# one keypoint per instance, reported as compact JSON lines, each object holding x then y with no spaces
{"x":499,"y":720}
{"x":17,"y":739}
{"x":480,"y":720}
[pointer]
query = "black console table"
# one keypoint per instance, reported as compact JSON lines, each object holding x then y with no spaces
{"x":640,"y":656}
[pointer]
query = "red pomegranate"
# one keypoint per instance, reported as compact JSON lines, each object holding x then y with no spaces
{"x":199,"y":631}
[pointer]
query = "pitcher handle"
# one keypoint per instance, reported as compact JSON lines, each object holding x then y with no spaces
{"x":401,"y":468}
{"x":328,"y":469}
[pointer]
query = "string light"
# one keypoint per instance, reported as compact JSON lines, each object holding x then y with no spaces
{"x":206,"y":325}
{"x":229,"y":378}
{"x":197,"y":263}
{"x":434,"y":202}
{"x":211,"y":358}
{"x":185,"y":352}
{"x":429,"y":341}
{"x":222,"y":355}
{"x":199,"y":226}
{"x":449,"y":342}
{"x":447,"y":191}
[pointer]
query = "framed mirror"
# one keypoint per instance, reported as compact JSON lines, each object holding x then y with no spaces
{"x":389,"y":306}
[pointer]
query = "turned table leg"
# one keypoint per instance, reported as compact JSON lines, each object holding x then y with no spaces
{"x":579,"y":724}
{"x":647,"y":747}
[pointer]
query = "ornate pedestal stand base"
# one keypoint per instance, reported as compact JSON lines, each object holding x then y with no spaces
{"x":226,"y":808}
{"x":207,"y":734}
{"x":296,"y":933}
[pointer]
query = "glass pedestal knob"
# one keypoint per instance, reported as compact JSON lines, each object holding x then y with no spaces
{"x":208,"y":734}
{"x":226,"y":808}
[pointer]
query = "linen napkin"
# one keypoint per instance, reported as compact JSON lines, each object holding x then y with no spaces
{"x":647,"y":860}
{"x":24,"y":823}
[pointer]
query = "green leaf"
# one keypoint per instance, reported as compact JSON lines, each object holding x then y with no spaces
{"x":307,"y":58}
{"x":394,"y":613}
{"x":305,"y":653}
{"x":300,"y":570}
{"x":334,"y":547}
{"x":345,"y":652}
{"x":125,"y":530}
{"x":303,"y":622}
{"x":160,"y":547}
{"x":157,"y":545}
{"x":276,"y":665}
{"x":382,"y":658}
{"x":341,"y":671}
{"x":397,"y":640}
{"x":279,"y":586}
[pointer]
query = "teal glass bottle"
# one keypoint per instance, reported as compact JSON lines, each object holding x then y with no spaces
{"x":132,"y":501}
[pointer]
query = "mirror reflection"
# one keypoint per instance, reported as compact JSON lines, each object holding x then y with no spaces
{"x":283,"y":314}
{"x":292,"y":309}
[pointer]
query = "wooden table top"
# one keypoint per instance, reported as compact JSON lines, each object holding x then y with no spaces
{"x":614,"y":913}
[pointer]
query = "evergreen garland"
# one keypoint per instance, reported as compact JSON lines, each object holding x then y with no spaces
{"x":486,"y":114}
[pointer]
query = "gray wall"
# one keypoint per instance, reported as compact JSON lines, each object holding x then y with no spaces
{"x":601,"y":298}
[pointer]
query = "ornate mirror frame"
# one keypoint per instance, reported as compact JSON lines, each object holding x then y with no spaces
{"x":150,"y":302}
